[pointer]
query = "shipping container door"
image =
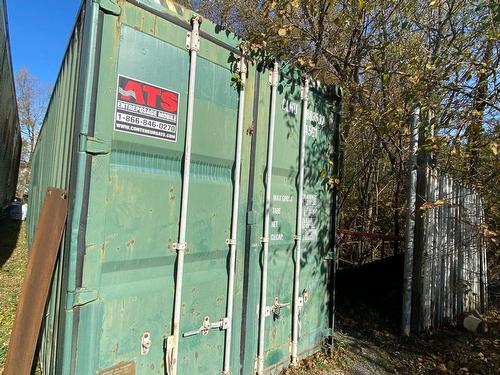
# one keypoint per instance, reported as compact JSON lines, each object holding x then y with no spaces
{"x":316,"y":223}
{"x":313,"y":286}
{"x":135,"y":195}
{"x":209,"y":213}
{"x":282,"y":222}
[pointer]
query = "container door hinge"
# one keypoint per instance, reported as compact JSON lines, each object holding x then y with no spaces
{"x":94,"y":146}
{"x":193,"y":36}
{"x":109,"y":6}
{"x":82,"y":297}
{"x":207,"y":326}
{"x":303,"y":299}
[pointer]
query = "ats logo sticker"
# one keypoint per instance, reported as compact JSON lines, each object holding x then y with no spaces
{"x":146,"y":109}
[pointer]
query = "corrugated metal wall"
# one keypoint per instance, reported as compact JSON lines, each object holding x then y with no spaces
{"x":445,"y":272}
{"x":52,"y":155}
{"x":10,"y":134}
{"x":51,"y":167}
{"x":453,"y":275}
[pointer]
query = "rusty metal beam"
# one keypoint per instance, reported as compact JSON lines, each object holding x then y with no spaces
{"x":384,"y":237}
{"x":36,"y":285}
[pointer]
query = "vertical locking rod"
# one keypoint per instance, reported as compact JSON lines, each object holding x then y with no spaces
{"x":273,"y":81}
{"x":298,"y":228}
{"x":172,"y":353}
{"x":234,"y":221}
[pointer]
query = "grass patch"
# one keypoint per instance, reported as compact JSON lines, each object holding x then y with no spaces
{"x":13,"y":262}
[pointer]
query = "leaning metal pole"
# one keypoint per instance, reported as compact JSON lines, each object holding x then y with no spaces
{"x":410,"y":223}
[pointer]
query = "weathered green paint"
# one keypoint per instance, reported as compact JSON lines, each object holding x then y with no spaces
{"x":51,"y":162}
{"x":10,"y":134}
{"x":116,"y":280}
{"x":314,"y":318}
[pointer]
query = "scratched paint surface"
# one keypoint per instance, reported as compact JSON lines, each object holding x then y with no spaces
{"x":126,"y":288}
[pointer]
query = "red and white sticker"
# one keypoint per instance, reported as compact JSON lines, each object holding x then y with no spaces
{"x":145,"y":109}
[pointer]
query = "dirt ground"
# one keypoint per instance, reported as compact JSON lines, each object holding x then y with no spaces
{"x":368,"y":343}
{"x":365,"y":348}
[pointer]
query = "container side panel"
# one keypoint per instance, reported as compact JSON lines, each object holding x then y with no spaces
{"x":51,"y":167}
{"x":10,"y":136}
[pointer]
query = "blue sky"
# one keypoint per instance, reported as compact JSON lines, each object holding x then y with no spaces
{"x":39,"y":32}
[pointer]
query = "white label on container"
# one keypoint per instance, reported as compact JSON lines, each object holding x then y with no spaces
{"x":309,"y":218}
{"x":145,"y":109}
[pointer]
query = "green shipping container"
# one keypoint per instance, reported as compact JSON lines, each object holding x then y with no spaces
{"x":10,"y":133}
{"x":163,"y":137}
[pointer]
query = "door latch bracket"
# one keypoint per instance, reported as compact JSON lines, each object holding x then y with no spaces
{"x":206,"y":326}
{"x":179,"y":246}
{"x":304,"y":298}
{"x":275,"y":308}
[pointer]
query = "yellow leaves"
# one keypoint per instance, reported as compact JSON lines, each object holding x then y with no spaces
{"x":333,"y":182}
{"x":283,"y":30}
{"x":429,"y":205}
{"x":309,"y":62}
{"x":424,"y":207}
{"x":494,"y":148}
{"x":280,"y":8}
{"x":414,"y":79}
{"x":438,"y":203}
{"x":359,"y":4}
